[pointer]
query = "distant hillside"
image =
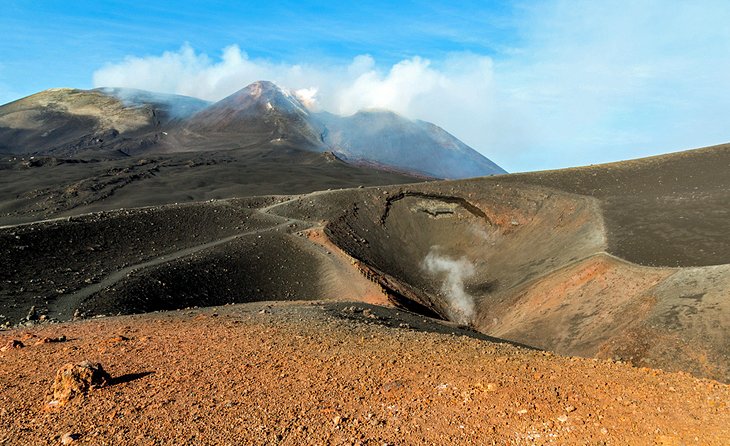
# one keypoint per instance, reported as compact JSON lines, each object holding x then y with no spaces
{"x":400,"y":142}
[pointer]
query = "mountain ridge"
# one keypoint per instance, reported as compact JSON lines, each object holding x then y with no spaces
{"x":113,"y":122}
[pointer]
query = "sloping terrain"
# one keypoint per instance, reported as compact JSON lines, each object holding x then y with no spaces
{"x":89,"y":123}
{"x":49,"y":187}
{"x":542,"y":259}
{"x":169,"y":107}
{"x":667,"y":210}
{"x":390,"y":139}
{"x":338,"y":373}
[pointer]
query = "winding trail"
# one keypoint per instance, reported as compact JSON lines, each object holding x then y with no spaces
{"x":291,"y":198}
{"x":65,"y":305}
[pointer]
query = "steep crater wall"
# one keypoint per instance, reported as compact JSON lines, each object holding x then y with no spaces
{"x":528,"y":264}
{"x":452,"y":250}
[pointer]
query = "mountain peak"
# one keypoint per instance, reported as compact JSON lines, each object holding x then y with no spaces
{"x":263,"y":96}
{"x":261,"y":108}
{"x":260,"y":114}
{"x":260,"y":90}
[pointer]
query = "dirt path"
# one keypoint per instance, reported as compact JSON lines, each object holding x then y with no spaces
{"x":289,"y":199}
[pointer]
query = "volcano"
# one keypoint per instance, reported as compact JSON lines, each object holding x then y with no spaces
{"x":108,"y":123}
{"x":574,"y":304}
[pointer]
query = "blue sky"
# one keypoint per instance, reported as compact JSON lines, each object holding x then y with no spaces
{"x":532,"y":85}
{"x":54,"y":42}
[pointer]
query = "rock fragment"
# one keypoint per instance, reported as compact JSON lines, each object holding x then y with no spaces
{"x":69,"y":438}
{"x":11,"y":345}
{"x":32,"y":314}
{"x":50,"y":340}
{"x":76,"y":379}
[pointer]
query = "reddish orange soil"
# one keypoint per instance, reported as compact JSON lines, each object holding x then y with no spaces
{"x":347,"y":279}
{"x":314,"y":373}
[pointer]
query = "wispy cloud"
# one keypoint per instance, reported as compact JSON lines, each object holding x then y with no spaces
{"x":609,"y":80}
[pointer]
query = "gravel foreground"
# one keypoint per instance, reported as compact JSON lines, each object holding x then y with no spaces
{"x":325,"y":373}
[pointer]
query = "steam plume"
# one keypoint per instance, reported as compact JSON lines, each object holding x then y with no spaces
{"x":456,"y":271}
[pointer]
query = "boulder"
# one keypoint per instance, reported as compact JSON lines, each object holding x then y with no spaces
{"x":77,"y":379}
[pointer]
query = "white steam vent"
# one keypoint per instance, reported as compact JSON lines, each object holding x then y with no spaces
{"x":454,"y":273}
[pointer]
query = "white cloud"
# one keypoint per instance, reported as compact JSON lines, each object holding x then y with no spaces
{"x":589,"y":82}
{"x":308,"y":97}
{"x":444,"y":94}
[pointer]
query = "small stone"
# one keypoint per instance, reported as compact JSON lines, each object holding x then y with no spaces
{"x":570,"y":409}
{"x":563,"y":418}
{"x":76,"y":379}
{"x":69,"y":438}
{"x":522,"y":411}
{"x":12,"y":345}
{"x":49,"y":340}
